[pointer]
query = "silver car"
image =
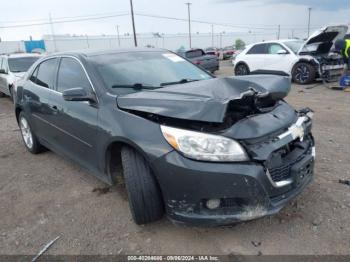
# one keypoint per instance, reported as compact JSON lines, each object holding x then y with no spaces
{"x":12,"y":68}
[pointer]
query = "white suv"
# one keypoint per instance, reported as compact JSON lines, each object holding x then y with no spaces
{"x":303,"y":61}
{"x":12,"y":68}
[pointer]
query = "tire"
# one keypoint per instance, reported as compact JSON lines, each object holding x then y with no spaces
{"x":145,"y":199}
{"x":11,"y":93}
{"x":303,"y":73}
{"x":2,"y":94}
{"x":241,"y":70}
{"x":30,"y":140}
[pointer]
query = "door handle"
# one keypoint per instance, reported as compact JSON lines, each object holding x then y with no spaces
{"x":54,"y":109}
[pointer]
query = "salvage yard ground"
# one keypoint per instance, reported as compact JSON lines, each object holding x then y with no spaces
{"x":45,"y":196}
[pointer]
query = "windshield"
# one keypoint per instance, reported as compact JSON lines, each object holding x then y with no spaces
{"x":133,"y":71}
{"x":294,"y":45}
{"x":21,"y":64}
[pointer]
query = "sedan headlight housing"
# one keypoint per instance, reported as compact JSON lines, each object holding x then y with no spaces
{"x":205,"y":147}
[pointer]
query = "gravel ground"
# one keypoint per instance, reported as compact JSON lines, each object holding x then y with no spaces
{"x":44,"y":196}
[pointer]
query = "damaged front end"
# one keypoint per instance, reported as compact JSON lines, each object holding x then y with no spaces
{"x":278,"y":158}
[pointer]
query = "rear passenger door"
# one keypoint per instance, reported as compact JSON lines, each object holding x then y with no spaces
{"x":37,"y":96}
{"x":256,"y":57}
{"x":75,"y":121}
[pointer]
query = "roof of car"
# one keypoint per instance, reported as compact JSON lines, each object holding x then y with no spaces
{"x":96,"y":52}
{"x":278,"y":41}
{"x":18,"y":55}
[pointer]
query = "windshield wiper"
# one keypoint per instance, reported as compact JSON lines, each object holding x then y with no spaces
{"x":182,"y":81}
{"x":137,"y":86}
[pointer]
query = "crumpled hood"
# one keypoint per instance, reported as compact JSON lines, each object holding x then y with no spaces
{"x":324,"y":38}
{"x":205,"y":100}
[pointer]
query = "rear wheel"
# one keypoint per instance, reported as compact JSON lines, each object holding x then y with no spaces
{"x":2,"y":94}
{"x":241,"y":70}
{"x":303,"y":73}
{"x":30,"y":140}
{"x":145,"y":199}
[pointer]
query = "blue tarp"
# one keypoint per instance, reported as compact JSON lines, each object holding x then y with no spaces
{"x":37,"y":44}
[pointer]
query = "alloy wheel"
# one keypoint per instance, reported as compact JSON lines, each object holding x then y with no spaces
{"x":242,"y":70}
{"x":302,"y":73}
{"x":26,"y":132}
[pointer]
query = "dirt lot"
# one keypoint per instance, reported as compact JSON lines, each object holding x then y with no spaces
{"x":44,"y":196}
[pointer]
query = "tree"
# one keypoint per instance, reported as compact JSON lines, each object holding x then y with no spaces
{"x":240,"y":44}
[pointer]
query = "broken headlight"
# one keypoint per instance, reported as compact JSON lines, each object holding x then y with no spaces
{"x":201,"y":146}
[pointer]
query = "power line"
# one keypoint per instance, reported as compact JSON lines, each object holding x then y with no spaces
{"x":90,"y":17}
{"x":218,"y":24}
{"x":64,"y":21}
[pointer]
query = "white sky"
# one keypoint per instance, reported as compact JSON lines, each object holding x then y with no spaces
{"x":247,"y":13}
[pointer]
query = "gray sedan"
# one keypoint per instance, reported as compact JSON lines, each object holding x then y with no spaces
{"x":200,"y":58}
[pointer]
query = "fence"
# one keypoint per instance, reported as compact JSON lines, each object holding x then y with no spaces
{"x":171,"y":42}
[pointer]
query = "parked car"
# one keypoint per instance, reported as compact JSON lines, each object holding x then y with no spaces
{"x":204,"y":150}
{"x":303,"y":61}
{"x":12,"y":68}
{"x":228,"y":52}
{"x":200,"y":58}
{"x":213,"y":51}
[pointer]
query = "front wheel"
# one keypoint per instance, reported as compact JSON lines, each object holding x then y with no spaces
{"x":303,"y":73}
{"x":241,"y":70}
{"x":145,"y":199}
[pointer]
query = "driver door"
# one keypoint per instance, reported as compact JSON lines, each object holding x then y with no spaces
{"x":278,"y":59}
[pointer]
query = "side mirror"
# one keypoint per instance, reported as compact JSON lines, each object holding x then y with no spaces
{"x":2,"y":71}
{"x":78,"y":94}
{"x":282,"y":52}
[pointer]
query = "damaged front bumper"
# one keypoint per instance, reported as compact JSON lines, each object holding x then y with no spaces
{"x":279,"y":170}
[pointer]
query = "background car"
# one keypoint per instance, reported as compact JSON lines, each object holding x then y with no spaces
{"x":202,"y":59}
{"x":303,"y":61}
{"x":12,"y":68}
{"x":228,"y":52}
{"x":213,"y":51}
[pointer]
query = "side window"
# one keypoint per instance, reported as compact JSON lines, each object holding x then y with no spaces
{"x":71,"y":75}
{"x":1,"y":62}
{"x":33,"y":76}
{"x":273,"y":49}
{"x":258,"y":49}
{"x":47,"y":72}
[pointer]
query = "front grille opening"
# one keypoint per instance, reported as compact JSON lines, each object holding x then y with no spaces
{"x":281,"y":161}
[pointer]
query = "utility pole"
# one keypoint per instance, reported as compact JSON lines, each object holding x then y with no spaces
{"x":52,"y":34}
{"x":212,"y":35}
{"x":308,"y":25}
{"x":279,"y":32}
{"x":133,"y":22}
{"x":118,"y":35}
{"x":189,"y":23}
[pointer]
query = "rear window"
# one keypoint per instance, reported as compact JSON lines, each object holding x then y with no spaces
{"x":194,"y":53}
{"x":258,"y":49}
{"x":21,"y":64}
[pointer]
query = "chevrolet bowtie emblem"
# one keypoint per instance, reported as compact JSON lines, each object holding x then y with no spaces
{"x":297,"y":131}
